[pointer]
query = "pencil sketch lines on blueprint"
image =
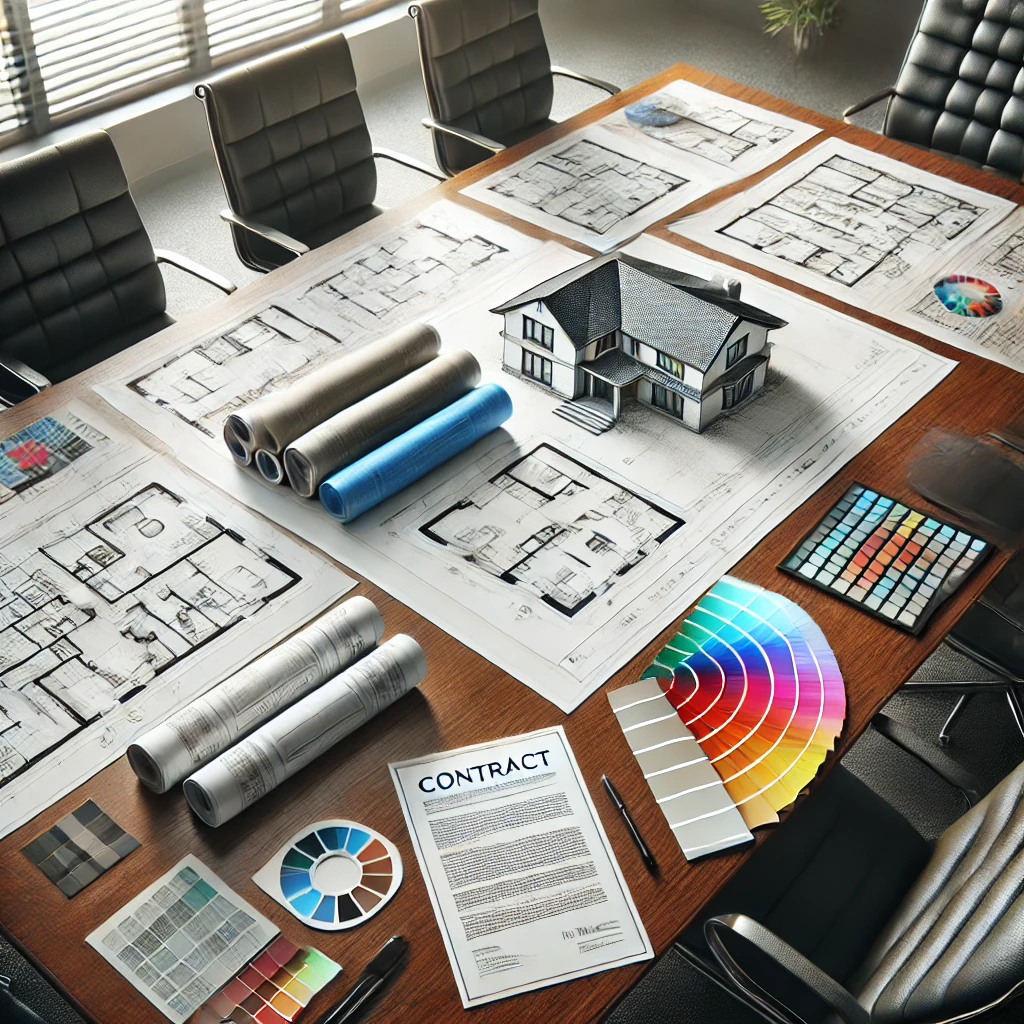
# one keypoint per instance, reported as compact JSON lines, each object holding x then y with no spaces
{"x":89,"y":620}
{"x":36,"y":453}
{"x":715,"y":133}
{"x":845,"y":219}
{"x":1009,"y":257}
{"x":547,"y":523}
{"x":588,"y":185}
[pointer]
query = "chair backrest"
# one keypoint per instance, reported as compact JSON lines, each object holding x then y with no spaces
{"x":961,"y":88}
{"x":486,"y":68}
{"x":76,"y":264}
{"x":291,"y":142}
{"x":956,"y":943}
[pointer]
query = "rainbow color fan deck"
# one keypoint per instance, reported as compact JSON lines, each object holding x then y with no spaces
{"x":735,"y":715}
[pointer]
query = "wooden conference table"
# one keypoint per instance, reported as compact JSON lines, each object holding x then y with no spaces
{"x":465,"y":699}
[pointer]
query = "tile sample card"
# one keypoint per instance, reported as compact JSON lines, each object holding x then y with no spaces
{"x":182,"y":938}
{"x":80,"y":848}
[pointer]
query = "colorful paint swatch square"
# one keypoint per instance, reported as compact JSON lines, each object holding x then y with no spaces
{"x":80,"y":848}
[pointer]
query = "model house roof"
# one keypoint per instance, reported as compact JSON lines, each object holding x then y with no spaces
{"x":686,"y":317}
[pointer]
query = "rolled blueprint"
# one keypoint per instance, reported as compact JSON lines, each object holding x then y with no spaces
{"x":272,"y":422}
{"x":353,"y":490}
{"x":299,"y":734}
{"x":355,"y":431}
{"x":192,"y":736}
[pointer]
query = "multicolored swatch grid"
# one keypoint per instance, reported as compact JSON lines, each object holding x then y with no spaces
{"x":273,"y":989}
{"x":80,"y":848}
{"x":884,"y":556}
{"x":752,"y":677}
{"x":37,"y":452}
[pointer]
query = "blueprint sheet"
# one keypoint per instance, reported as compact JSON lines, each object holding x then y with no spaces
{"x":412,"y":271}
{"x":126,"y":589}
{"x":880,"y":235}
{"x":469,"y":546}
{"x":703,"y":134}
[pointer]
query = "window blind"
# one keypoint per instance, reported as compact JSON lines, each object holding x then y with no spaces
{"x":233,"y":25}
{"x":12,"y":81}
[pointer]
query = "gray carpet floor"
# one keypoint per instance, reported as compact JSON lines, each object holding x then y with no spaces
{"x":625,"y":43}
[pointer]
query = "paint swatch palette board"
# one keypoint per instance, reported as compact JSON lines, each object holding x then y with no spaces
{"x":734,"y":716}
{"x":892,"y":561}
{"x":80,"y":848}
{"x":273,"y":989}
{"x":333,"y":874}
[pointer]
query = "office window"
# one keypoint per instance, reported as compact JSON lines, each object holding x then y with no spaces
{"x":61,"y":60}
{"x":538,"y":333}
{"x":670,"y":365}
{"x":670,"y":401}
{"x":736,"y":351}
{"x":537,"y":368}
{"x":733,"y":394}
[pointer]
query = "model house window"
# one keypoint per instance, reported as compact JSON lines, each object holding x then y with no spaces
{"x":736,"y":351}
{"x":538,"y":333}
{"x":537,"y":368}
{"x":733,"y":394}
{"x":670,"y":365}
{"x":670,"y":401}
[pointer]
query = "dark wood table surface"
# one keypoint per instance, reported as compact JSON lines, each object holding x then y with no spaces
{"x":465,"y":699}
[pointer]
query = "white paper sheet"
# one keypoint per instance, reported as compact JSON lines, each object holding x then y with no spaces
{"x":835,"y":384}
{"x":182,"y":938}
{"x":524,"y":885}
{"x":706,"y":135}
{"x":876,"y":233}
{"x":126,"y":589}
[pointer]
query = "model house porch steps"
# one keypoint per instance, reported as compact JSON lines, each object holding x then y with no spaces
{"x":589,"y":414}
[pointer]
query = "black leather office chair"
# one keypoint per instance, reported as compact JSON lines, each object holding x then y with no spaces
{"x":79,"y":277}
{"x":848,"y":914}
{"x":487,"y":76}
{"x":961,"y":87}
{"x":294,"y":152}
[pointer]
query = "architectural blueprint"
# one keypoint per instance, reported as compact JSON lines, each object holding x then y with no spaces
{"x":413,"y":270}
{"x":853,"y":224}
{"x":590,"y":186}
{"x":707,"y":134}
{"x":558,"y":554}
{"x":109,"y":586}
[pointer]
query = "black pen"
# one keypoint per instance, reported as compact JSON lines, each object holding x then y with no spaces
{"x":378,"y":970}
{"x":645,"y":852}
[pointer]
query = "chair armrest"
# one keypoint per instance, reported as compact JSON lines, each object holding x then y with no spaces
{"x":409,"y":161}
{"x":596,"y":82}
{"x":929,"y":754}
{"x":463,"y":133}
{"x":826,"y":988}
{"x":270,"y":234}
{"x":195,"y":269}
{"x":870,"y":101}
{"x":18,"y":381}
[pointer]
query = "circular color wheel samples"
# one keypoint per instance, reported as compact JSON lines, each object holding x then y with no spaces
{"x":333,"y":875}
{"x":969,"y":296}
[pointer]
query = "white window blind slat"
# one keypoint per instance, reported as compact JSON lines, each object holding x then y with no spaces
{"x":11,"y":82}
{"x":239,"y":24}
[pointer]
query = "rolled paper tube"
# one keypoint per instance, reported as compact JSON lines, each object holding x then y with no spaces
{"x":270,"y":466}
{"x":358,"y":430}
{"x":179,"y":745}
{"x":353,"y":490}
{"x":272,"y":422}
{"x":301,"y":733}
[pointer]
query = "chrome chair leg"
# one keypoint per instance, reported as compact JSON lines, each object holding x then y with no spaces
{"x":1015,"y":707}
{"x":954,"y":715}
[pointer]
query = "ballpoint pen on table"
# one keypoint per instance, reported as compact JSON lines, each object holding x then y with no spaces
{"x":645,"y":852}
{"x":377,"y":972}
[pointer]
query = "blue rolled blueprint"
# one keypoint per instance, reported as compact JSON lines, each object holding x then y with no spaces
{"x":385,"y":471}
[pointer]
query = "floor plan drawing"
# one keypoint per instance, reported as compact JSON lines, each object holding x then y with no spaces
{"x":554,"y":527}
{"x":37,"y":453}
{"x":123,"y":595}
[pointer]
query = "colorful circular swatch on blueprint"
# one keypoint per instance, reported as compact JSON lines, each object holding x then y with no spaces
{"x":969,"y":296}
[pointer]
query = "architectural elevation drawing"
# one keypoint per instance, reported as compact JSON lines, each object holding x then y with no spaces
{"x":552,"y":526}
{"x":590,"y":186}
{"x":413,"y":270}
{"x":122,"y":599}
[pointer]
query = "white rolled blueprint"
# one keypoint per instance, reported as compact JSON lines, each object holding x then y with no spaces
{"x":175,"y":748}
{"x":249,"y":770}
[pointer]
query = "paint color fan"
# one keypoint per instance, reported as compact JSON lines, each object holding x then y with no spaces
{"x":333,"y":875}
{"x":751,"y":675}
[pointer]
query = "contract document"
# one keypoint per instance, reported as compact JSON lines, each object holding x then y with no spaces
{"x":523,"y":882}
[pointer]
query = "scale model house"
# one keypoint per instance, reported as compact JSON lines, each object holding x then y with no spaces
{"x":616,"y":324}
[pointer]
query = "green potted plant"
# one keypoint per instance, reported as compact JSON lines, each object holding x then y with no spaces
{"x":806,"y":18}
